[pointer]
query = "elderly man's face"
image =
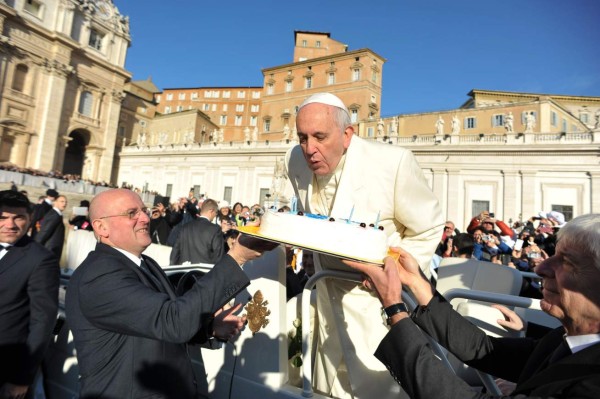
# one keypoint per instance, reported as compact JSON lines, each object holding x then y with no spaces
{"x":321,"y":140}
{"x":570,"y":288}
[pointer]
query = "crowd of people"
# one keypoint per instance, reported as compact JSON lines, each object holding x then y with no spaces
{"x":131,"y":326}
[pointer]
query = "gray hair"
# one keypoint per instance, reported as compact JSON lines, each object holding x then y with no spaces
{"x":342,"y":119}
{"x":583,"y":233}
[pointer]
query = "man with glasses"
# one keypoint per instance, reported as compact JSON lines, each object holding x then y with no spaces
{"x":29,"y":279}
{"x":129,"y":327}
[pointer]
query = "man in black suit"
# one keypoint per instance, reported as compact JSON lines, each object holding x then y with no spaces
{"x":39,"y":210}
{"x":129,"y":327}
{"x":200,"y":241}
{"x":29,"y":279}
{"x":52,"y":227}
{"x":564,"y":363}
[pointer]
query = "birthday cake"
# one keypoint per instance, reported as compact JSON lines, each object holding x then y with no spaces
{"x":340,"y":237}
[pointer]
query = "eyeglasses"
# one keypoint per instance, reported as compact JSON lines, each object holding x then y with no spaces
{"x":448,"y":228}
{"x":132,"y":214}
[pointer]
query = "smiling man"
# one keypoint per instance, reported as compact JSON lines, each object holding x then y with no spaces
{"x":29,"y":279}
{"x":565,"y":363}
{"x":333,"y":172}
{"x":130,"y":328}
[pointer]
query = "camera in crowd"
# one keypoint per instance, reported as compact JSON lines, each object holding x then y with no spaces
{"x":258,"y":211}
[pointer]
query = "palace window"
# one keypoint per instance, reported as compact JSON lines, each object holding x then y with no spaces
{"x":194,"y":95}
{"x":86,"y":100}
{"x":270,"y":88}
{"x":470,"y":122}
{"x":182,"y":96}
{"x":226,"y":94}
{"x":223,"y":120}
{"x":308,"y":82}
{"x":554,"y":119}
{"x":254,"y":108}
{"x":96,"y":39}
{"x":253,"y":120}
{"x":225,"y":107}
{"x":356,"y":75}
{"x":354,"y":115}
{"x":170,"y":97}
{"x":179,"y":108}
{"x":20,"y":77}
{"x":331,"y":78}
{"x":267,"y":125}
{"x":288,"y":86}
{"x":241,"y":94}
{"x":256,"y":94}
{"x":498,"y":120}
{"x":318,"y":43}
{"x":33,"y":7}
{"x":239,"y":108}
{"x":167,"y":110}
{"x":238,"y":120}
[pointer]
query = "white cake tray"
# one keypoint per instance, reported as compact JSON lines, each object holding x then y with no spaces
{"x":253,"y":231}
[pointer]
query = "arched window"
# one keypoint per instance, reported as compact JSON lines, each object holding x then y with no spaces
{"x":20,"y":78}
{"x":85,"y":103}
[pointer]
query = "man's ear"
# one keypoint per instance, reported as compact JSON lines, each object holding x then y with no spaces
{"x":100,"y":228}
{"x":348,"y":133}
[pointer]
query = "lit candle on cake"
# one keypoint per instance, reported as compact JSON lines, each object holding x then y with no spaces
{"x":377,"y":220}
{"x":294,"y":204}
{"x":350,"y":217}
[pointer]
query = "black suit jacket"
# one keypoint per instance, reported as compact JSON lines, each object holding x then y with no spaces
{"x":130,"y":329}
{"x":199,"y":241}
{"x":523,"y":360}
{"x":52,"y":232}
{"x":29,"y":279}
{"x":39,"y":210}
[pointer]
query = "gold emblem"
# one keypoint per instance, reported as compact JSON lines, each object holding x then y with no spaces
{"x":257,"y":312}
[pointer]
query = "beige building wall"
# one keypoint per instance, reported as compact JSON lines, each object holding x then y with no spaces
{"x":310,"y":45}
{"x":61,"y":85}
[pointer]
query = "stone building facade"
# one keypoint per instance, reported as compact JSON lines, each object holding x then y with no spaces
{"x":61,"y":84}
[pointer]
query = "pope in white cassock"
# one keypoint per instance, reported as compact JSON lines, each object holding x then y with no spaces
{"x":331,"y":172}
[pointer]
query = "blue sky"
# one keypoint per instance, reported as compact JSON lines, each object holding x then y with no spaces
{"x":436,"y":50}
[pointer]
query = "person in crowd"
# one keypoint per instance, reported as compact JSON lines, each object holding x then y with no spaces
{"x":463,"y":245}
{"x":40,"y":209}
{"x":52,"y":227}
{"x":29,"y":280}
{"x":82,"y":222}
{"x":159,"y":227}
{"x":242,"y":218}
{"x":224,"y":213}
{"x":200,"y":241}
{"x":182,"y":212}
{"x":13,"y":186}
{"x":129,"y":327}
{"x":236,"y":210}
{"x":444,"y":248}
{"x":326,"y":173}
{"x":564,"y":363}
{"x":488,"y":221}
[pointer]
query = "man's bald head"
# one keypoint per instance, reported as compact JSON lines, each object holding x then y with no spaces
{"x":120,"y":219}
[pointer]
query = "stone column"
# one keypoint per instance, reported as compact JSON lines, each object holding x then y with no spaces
{"x":595,"y":192}
{"x":110,"y":120}
{"x":512,"y":186}
{"x":51,"y":110}
{"x":439,"y":186}
{"x":528,"y":197}
{"x":18,"y":154}
{"x":454,"y":208}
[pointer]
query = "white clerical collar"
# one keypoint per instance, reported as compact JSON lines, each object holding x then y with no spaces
{"x":132,"y":257}
{"x":580,"y":342}
{"x":49,"y":202}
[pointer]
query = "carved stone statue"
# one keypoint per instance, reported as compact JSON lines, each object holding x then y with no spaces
{"x":380,"y":127}
{"x":597,"y":116}
{"x":162,"y":138}
{"x":142,"y":139}
{"x":286,"y":132}
{"x":255,"y":134}
{"x":221,"y":136}
{"x":455,"y":125}
{"x":439,"y":125}
{"x":394,"y":126}
{"x":247,"y":134}
{"x":509,"y":122}
{"x":529,"y":122}
{"x":213,"y":136}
